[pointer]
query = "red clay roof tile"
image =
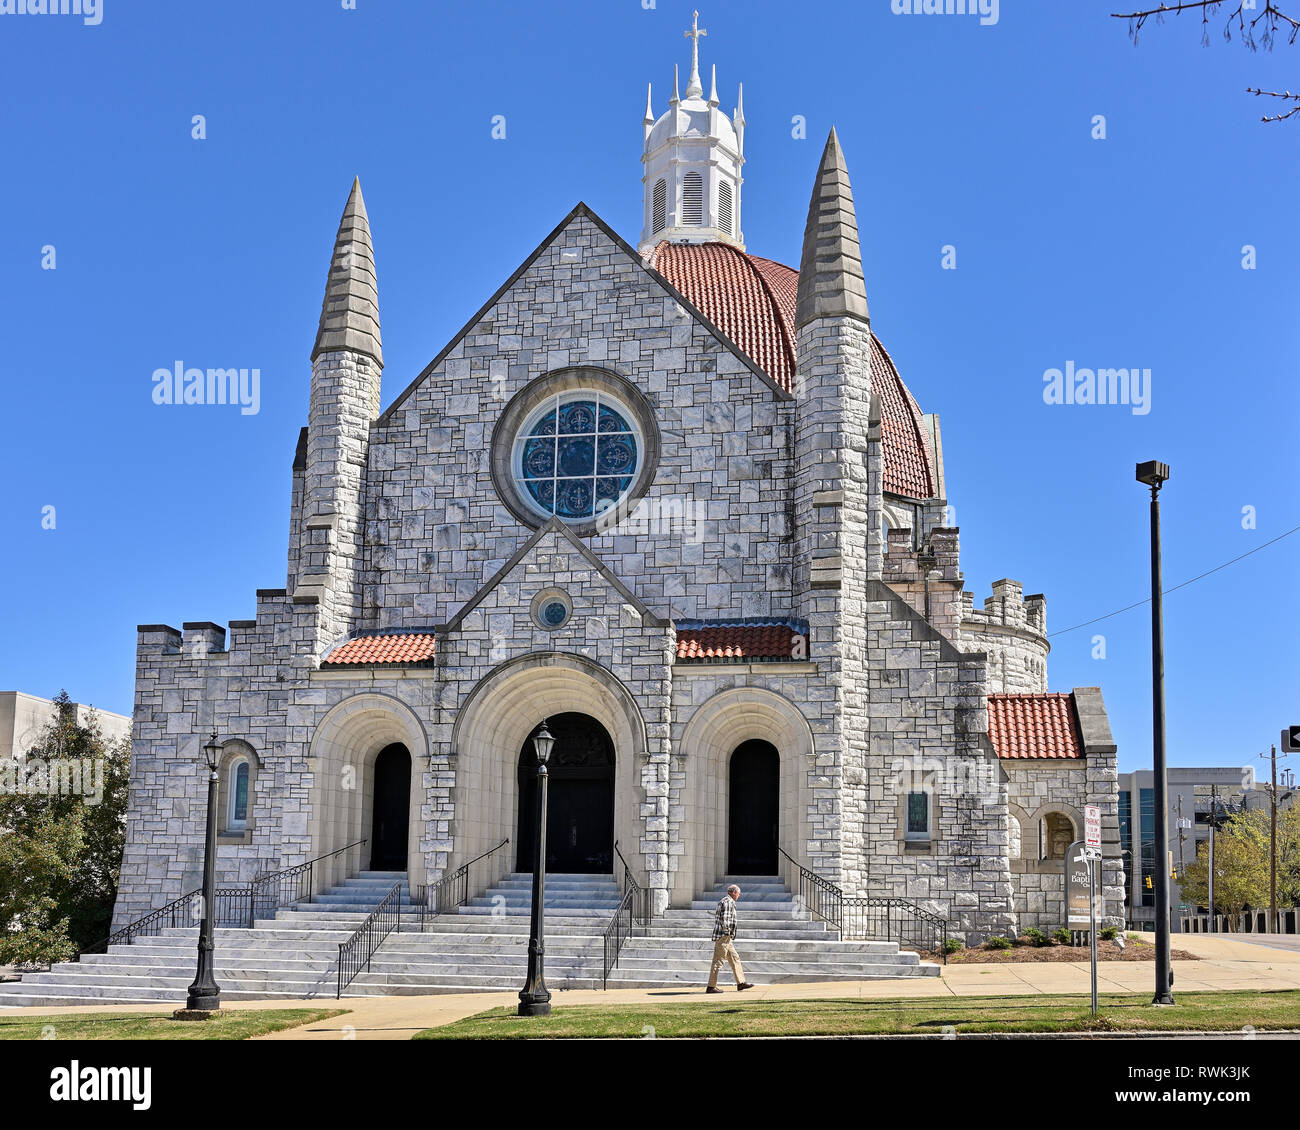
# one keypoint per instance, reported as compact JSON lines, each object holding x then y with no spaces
{"x":1029,"y":726}
{"x":752,"y":301}
{"x":700,"y":640}
{"x":408,"y":648}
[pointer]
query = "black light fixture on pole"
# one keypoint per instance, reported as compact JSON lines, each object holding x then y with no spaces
{"x":1155,"y":475}
{"x":534,"y":998}
{"x":205,"y":994}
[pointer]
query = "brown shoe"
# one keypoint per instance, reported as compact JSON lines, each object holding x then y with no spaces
{"x":713,"y":989}
{"x":743,"y":986}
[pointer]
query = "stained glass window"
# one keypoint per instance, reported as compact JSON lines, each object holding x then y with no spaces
{"x":577,"y":455}
{"x":239,"y":795}
{"x":918,"y":815}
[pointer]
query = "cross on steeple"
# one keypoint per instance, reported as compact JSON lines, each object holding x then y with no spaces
{"x":693,"y":88}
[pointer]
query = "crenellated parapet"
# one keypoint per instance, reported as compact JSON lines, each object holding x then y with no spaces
{"x":1011,"y":629}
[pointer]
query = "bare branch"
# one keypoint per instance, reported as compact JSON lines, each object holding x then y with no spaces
{"x":1285,"y":95}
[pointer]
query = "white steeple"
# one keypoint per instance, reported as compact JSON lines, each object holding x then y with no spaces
{"x":692,"y":160}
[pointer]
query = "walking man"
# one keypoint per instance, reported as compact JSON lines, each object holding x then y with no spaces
{"x":724,"y":934}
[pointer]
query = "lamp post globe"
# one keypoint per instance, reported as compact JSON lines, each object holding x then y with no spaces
{"x":534,"y":998}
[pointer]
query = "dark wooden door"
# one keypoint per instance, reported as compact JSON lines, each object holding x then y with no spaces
{"x":391,"y":813}
{"x":580,"y":798}
{"x":753,"y":809}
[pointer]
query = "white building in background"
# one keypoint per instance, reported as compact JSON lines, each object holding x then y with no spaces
{"x":24,"y":716}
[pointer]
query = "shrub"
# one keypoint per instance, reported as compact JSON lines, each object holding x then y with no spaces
{"x":1036,"y":937}
{"x":953,"y":945}
{"x":1108,"y":933}
{"x":1061,"y":936}
{"x":997,"y":942}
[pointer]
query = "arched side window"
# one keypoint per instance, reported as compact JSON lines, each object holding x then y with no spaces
{"x":659,"y":207}
{"x":1055,"y":834}
{"x":724,"y":206}
{"x":692,"y":200}
{"x":237,"y":791}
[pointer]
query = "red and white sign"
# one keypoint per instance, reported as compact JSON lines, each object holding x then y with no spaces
{"x":1092,"y":825}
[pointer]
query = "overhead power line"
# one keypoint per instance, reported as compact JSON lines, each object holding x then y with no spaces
{"x":1175,"y":588}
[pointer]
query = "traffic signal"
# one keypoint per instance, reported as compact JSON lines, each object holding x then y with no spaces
{"x":1147,"y":881}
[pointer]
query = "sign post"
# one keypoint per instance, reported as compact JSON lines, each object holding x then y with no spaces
{"x":1081,"y":872}
{"x":1092,"y":846}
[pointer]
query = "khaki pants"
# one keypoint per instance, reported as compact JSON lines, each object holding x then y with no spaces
{"x":723,"y":950}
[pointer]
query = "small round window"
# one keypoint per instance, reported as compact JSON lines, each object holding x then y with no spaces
{"x":552,"y":609}
{"x":577,"y":454}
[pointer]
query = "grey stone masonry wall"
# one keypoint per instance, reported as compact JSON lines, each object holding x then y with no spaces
{"x":1012,"y":630}
{"x":188,"y":686}
{"x":436,"y":529}
{"x":927,"y":723}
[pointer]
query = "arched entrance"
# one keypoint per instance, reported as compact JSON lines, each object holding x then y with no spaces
{"x":753,"y":809}
{"x":391,"y":811}
{"x":580,"y":798}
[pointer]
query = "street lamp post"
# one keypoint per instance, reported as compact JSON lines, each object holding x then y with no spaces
{"x":534,"y":998}
{"x":1154,"y":475}
{"x":205,"y":993}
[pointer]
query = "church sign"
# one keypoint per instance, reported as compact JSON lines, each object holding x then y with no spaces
{"x":1078,"y":888}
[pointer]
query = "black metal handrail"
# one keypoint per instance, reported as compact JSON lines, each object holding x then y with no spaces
{"x":634,"y":909}
{"x":870,"y":918}
{"x":235,"y":906}
{"x":356,"y":952}
{"x":292,"y":885}
{"x":451,"y":891}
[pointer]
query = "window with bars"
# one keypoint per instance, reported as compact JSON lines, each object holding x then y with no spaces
{"x":659,"y":207}
{"x":724,"y":207}
{"x":692,"y":200}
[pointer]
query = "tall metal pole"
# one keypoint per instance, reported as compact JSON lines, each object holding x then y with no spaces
{"x":1163,"y":963}
{"x":1272,"y":849}
{"x":205,"y":993}
{"x":534,"y":998}
{"x":1214,"y":823}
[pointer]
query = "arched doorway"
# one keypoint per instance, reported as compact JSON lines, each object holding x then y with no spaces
{"x":579,"y":798}
{"x":753,"y":809}
{"x":391,"y":809}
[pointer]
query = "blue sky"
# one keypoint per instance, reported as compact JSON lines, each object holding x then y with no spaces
{"x":1123,"y":252}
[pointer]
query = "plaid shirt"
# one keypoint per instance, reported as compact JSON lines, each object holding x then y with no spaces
{"x":724,"y":922}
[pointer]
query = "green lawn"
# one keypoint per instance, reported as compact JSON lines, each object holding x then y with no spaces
{"x":1222,"y":1011}
{"x":235,"y":1024}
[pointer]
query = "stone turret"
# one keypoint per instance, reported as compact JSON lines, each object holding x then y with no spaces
{"x":837,"y":482}
{"x":1012,"y":629}
{"x":347,"y":361}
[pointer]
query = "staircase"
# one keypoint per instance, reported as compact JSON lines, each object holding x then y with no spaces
{"x":482,"y":947}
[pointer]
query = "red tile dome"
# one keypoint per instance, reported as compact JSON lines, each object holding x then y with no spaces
{"x":752,"y":301}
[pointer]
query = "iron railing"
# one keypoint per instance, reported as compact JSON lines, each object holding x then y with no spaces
{"x":451,"y":891}
{"x":868,"y":918}
{"x":234,"y":906}
{"x":633,"y":910}
{"x":356,"y":952}
{"x":268,"y":893}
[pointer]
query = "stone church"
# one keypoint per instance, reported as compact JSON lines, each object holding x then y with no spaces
{"x":676,"y":500}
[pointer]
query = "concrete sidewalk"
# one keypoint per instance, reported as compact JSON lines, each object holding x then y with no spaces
{"x":1225,"y":964}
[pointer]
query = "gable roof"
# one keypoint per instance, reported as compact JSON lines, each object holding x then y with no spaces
{"x":581,"y":210}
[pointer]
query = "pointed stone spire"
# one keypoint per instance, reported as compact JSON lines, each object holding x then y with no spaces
{"x":693,"y":88}
{"x":349,"y":315}
{"x":675,"y":98}
{"x":831,"y":283}
{"x":649,"y":120}
{"x":713,"y":87}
